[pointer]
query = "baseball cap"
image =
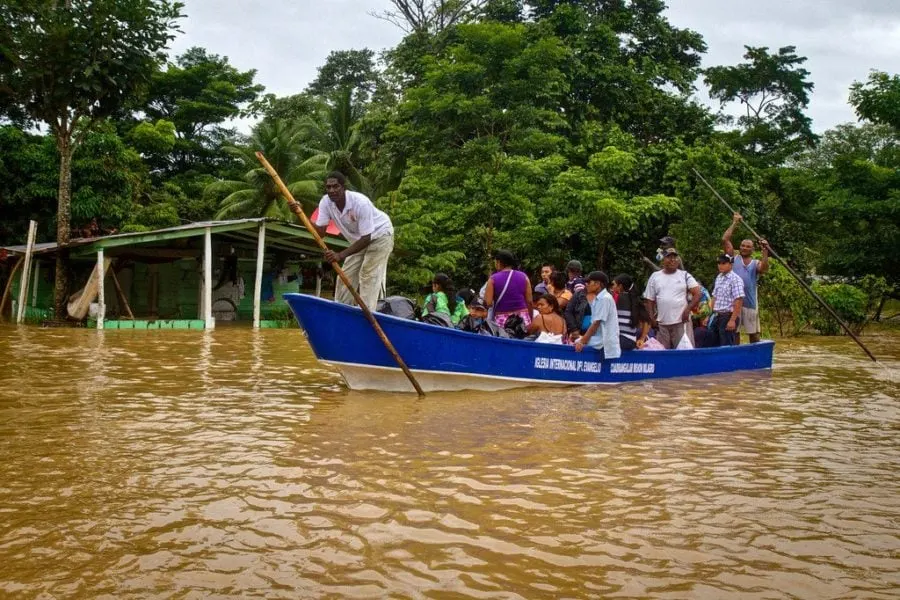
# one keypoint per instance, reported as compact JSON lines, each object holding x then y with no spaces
{"x":667,"y":241}
{"x":477,"y":303}
{"x":724,"y":258}
{"x":670,"y":252}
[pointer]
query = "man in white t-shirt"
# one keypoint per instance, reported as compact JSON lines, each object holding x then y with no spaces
{"x":371,"y":237}
{"x":666,"y":297}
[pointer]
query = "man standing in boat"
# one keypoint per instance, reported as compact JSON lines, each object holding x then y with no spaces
{"x":748,"y":269}
{"x":371,"y":236}
{"x":670,"y":296}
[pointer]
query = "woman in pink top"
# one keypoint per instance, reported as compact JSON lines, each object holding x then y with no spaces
{"x":508,"y":290}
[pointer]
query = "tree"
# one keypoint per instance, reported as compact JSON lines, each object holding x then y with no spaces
{"x":255,"y":194}
{"x":353,"y":69}
{"x":878,"y":100}
{"x":70,"y":64}
{"x":333,"y":134}
{"x":430,"y":16}
{"x":198,"y":93}
{"x":773,"y":91}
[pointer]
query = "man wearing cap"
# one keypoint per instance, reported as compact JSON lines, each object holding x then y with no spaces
{"x":576,"y":281}
{"x":727,"y":300}
{"x":748,"y":269}
{"x":665,"y":243}
{"x":371,"y":237}
{"x":603,"y":333}
{"x":670,"y":296}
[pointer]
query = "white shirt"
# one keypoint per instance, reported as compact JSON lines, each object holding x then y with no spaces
{"x":359,"y":218}
{"x":670,"y":292}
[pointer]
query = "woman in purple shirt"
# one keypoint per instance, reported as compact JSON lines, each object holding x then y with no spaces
{"x":508,"y":291}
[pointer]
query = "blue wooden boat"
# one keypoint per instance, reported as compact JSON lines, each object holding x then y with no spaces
{"x":447,"y":359}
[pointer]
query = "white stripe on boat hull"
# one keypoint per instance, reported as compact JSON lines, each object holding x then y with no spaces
{"x":392,"y":379}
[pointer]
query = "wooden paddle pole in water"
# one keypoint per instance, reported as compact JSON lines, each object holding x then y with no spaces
{"x":297,"y":210}
{"x":799,"y":279}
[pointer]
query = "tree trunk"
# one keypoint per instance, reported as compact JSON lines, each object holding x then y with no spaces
{"x":63,"y":214}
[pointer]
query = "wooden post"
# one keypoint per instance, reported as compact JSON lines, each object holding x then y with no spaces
{"x":34,"y":282}
{"x":26,"y":273}
{"x":207,"y":280}
{"x":101,"y":290}
{"x":318,"y":283}
{"x":257,"y":285}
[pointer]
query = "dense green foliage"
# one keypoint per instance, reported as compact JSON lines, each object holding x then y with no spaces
{"x":557,"y":128}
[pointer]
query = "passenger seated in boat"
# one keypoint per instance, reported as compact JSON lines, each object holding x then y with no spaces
{"x":603,"y":334}
{"x":558,"y":288}
{"x":548,"y":325}
{"x":508,"y":291}
{"x":444,"y":299}
{"x":634,"y":322}
{"x":477,"y":321}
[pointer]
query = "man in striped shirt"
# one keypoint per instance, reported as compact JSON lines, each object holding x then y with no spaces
{"x":727,"y":300}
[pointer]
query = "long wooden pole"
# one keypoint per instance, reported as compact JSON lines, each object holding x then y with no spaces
{"x":297,"y":210}
{"x":799,"y":279}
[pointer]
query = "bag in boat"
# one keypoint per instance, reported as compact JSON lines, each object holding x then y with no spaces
{"x":549,"y":338}
{"x":515,"y":327}
{"x":652,"y":344}
{"x":685,"y":342}
{"x":398,"y":306}
{"x":437,"y":318}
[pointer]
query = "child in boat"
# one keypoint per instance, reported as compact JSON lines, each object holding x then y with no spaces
{"x":634,"y":322}
{"x":549,"y":324}
{"x":444,"y":299}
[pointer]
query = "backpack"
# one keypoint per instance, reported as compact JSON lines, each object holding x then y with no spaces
{"x":576,"y":310}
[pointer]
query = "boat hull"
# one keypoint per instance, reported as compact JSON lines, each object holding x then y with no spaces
{"x":445,"y":359}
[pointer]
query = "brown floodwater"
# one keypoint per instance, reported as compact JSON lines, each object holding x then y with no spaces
{"x":229,"y":464}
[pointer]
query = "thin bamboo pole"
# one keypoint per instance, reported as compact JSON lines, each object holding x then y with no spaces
{"x":119,"y":291}
{"x":799,"y":279}
{"x":8,"y":289}
{"x":295,"y":208}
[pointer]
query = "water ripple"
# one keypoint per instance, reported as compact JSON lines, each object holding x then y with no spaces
{"x":230,"y":464}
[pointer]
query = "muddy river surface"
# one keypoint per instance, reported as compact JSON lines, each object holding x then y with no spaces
{"x":230,"y":464}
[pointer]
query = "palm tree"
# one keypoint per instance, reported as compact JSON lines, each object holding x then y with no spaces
{"x":255,"y":194}
{"x":334,"y":135}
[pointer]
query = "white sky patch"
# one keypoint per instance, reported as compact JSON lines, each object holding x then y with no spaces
{"x":287,"y":40}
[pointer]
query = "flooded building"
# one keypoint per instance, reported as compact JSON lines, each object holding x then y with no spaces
{"x":192,"y":276}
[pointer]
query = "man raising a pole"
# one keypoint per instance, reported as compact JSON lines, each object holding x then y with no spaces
{"x":371,"y":237}
{"x":748,"y":269}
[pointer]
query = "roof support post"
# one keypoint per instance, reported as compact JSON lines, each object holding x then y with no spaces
{"x":318,"y":282}
{"x":26,"y":273}
{"x":257,"y":285}
{"x":101,"y":292}
{"x":209,"y":322}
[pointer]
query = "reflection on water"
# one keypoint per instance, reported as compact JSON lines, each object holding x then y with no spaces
{"x":229,"y":464}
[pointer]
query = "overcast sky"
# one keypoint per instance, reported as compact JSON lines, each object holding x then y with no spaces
{"x":287,"y":40}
